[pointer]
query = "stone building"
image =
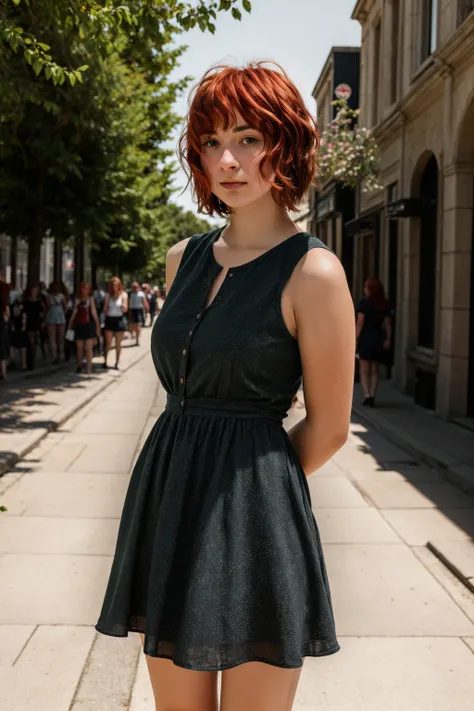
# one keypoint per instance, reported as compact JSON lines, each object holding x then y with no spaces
{"x":332,"y":204}
{"x":417,"y":93}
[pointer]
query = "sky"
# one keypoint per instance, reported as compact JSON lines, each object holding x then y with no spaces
{"x":298,"y":34}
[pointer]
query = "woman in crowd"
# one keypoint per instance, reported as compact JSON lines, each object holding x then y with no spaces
{"x":18,"y":335}
{"x":56,"y":320}
{"x":138,"y":310}
{"x":4,"y":337}
{"x":85,"y":322}
{"x":373,"y":336}
{"x":35,"y":314}
{"x":115,"y":309}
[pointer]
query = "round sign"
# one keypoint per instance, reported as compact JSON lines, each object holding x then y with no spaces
{"x":343,"y":91}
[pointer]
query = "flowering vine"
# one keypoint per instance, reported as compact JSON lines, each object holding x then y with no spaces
{"x":348,"y":152}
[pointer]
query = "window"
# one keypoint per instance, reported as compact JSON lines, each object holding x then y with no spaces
{"x":429,"y":27}
{"x":376,"y":74}
{"x":465,"y":7}
{"x":394,"y":51}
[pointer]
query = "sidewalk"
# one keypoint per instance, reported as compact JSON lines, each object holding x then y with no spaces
{"x":446,"y":446}
{"x":32,"y":407}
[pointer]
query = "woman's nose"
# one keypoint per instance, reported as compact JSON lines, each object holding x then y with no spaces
{"x":228,"y":159}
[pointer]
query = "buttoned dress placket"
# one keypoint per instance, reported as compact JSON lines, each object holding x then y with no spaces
{"x":192,"y":329}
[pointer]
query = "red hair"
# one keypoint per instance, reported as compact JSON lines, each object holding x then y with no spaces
{"x":120,"y":286}
{"x":376,"y":296}
{"x":270,"y":103}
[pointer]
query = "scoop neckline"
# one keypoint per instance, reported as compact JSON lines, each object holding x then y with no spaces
{"x":252,"y":261}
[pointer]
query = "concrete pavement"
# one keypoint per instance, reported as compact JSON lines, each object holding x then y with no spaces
{"x":404,"y":621}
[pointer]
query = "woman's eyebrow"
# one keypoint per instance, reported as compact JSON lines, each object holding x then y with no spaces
{"x":241,"y":128}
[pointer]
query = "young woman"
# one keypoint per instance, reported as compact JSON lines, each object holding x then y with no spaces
{"x":85,"y":322}
{"x":115,"y":309}
{"x":18,"y":335}
{"x":138,"y":308}
{"x":218,"y":563}
{"x":4,"y":336}
{"x":35,"y":312}
{"x":56,"y":320}
{"x":373,"y":336}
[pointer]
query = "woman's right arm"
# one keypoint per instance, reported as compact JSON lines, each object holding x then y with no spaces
{"x":173,"y":260}
{"x":73,"y":315}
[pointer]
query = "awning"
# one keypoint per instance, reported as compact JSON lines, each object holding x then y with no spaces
{"x":364,"y":223}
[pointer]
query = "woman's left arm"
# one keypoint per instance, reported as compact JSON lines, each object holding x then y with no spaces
{"x":324,"y":316}
{"x":95,"y":315}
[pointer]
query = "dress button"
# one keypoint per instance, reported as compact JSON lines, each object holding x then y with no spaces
{"x":198,"y":315}
{"x":231,"y":274}
{"x":181,"y":380}
{"x":182,"y":403}
{"x":190,"y":333}
{"x":184,"y":351}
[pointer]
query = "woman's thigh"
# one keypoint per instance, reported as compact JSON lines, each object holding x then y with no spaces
{"x":257,"y":686}
{"x":178,"y":689}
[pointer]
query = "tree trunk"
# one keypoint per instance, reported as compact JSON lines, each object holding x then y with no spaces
{"x":58,"y":260}
{"x":13,"y":260}
{"x":34,"y":257}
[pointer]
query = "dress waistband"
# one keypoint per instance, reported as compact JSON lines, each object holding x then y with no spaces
{"x":216,"y":407}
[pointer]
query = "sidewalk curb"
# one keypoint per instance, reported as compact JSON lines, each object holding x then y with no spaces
{"x":456,"y":472}
{"x":451,"y":566}
{"x":65,"y":414}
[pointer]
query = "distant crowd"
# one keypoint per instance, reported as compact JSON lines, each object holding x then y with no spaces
{"x":56,"y":324}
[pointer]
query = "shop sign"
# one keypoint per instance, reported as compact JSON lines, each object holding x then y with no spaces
{"x":405,"y":207}
{"x":326,"y":205}
{"x":343,"y":91}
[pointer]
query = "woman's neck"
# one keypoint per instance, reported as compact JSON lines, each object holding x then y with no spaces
{"x":260,"y":225}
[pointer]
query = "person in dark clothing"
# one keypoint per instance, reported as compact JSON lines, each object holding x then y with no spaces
{"x":373,"y":336}
{"x":35,"y":313}
{"x":4,"y":336}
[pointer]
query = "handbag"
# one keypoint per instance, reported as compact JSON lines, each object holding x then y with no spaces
{"x":70,"y":335}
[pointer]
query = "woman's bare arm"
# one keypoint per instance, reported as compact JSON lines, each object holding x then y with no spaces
{"x":324,"y":316}
{"x":173,"y":260}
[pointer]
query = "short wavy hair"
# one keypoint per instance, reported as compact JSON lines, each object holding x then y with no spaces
{"x":269,"y":102}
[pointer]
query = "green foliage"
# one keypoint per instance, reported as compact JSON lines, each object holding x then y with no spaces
{"x":86,"y":105}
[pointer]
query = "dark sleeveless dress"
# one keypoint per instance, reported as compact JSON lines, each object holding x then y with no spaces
{"x":218,"y":558}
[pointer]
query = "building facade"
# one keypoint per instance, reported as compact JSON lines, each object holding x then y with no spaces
{"x":417,"y":94}
{"x":333,"y":205}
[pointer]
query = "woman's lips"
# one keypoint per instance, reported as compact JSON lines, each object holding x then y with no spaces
{"x":233,"y":186}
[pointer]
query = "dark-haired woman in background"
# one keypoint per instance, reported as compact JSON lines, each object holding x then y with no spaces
{"x":374,"y":332}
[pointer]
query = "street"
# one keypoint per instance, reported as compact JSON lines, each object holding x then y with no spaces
{"x":405,"y":622}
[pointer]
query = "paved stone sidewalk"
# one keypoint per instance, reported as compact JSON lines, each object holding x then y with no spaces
{"x":445,"y":445}
{"x":404,"y":621}
{"x":30,"y":408}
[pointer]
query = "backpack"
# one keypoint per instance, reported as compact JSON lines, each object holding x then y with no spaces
{"x":82,"y":316}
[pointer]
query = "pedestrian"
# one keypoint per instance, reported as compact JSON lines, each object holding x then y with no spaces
{"x":160,"y":299}
{"x":218,"y":562}
{"x":4,"y":336}
{"x":138,"y":308}
{"x":18,"y":335}
{"x":35,"y":315}
{"x":373,"y":333}
{"x":69,"y":346}
{"x":56,"y":320}
{"x":151,"y":296}
{"x":115,"y":310}
{"x":85,"y":322}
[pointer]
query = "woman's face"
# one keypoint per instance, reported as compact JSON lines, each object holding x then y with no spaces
{"x":231,"y":160}
{"x":115,"y":284}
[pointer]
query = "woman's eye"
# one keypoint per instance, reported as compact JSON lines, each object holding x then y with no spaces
{"x":207,"y":143}
{"x":251,"y":139}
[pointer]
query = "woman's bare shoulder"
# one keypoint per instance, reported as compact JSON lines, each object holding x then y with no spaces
{"x":175,"y":253}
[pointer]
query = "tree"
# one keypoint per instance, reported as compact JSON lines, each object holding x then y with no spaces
{"x":85,"y":106}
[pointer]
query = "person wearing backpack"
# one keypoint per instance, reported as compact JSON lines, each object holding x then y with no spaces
{"x":85,"y":322}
